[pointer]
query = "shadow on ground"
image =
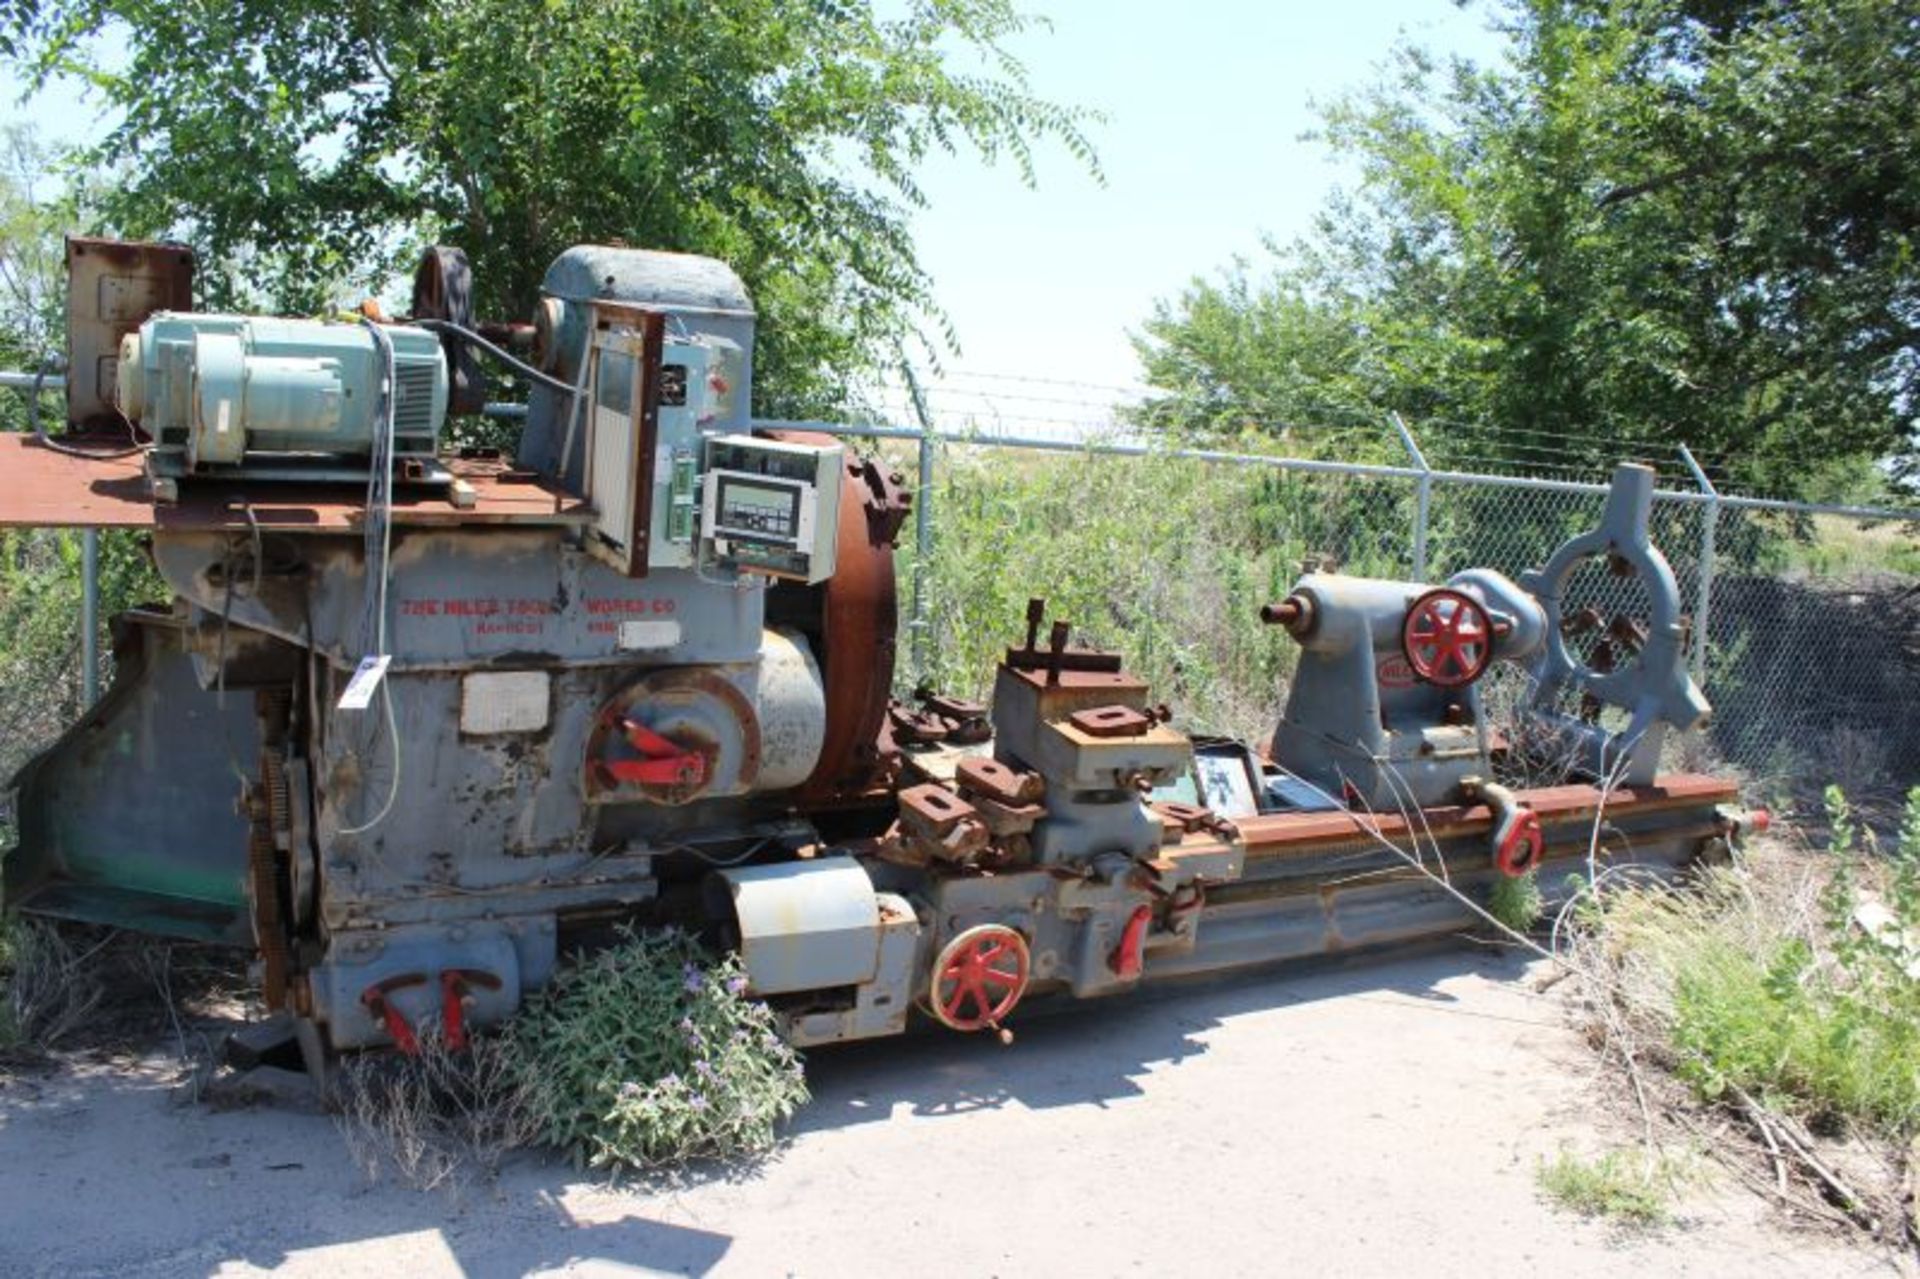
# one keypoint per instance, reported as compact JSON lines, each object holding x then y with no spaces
{"x":104,"y":1158}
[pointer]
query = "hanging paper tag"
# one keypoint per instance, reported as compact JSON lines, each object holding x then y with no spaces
{"x":366,"y":679}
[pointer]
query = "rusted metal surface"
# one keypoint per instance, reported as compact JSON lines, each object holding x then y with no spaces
{"x":1285,"y":834}
{"x":882,"y":498}
{"x":995,"y":780}
{"x":40,"y":488}
{"x":1058,"y":657}
{"x":443,"y":290}
{"x":859,"y":617}
{"x":1074,"y":690}
{"x":939,"y":719}
{"x":112,"y":287}
{"x":1295,"y":613}
{"x":1111,"y":721}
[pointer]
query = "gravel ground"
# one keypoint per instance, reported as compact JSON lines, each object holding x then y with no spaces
{"x":1374,"y":1118}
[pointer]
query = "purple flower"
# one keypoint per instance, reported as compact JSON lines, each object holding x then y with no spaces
{"x":697,"y":1102}
{"x":693,"y":980}
{"x":629,"y":1089}
{"x":706,"y":1071}
{"x":736,"y":985}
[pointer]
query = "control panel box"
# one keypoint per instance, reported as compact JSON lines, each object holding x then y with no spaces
{"x":771,"y":507}
{"x":685,"y":392}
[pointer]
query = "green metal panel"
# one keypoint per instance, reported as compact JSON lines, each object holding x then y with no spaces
{"x":130,"y":817}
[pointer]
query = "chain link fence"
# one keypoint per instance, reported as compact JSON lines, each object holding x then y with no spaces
{"x":1803,"y":620}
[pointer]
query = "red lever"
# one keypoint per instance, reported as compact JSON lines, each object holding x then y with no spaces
{"x":377,"y":1003}
{"x":455,"y":987}
{"x":1126,"y":959}
{"x":664,"y":762}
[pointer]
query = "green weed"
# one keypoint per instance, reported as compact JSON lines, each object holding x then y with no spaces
{"x":1516,"y":901}
{"x":1799,"y":987}
{"x":650,"y":1053}
{"x":1626,"y":1186}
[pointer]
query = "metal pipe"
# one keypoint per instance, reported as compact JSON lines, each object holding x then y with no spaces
{"x":90,"y":615}
{"x":1422,"y":498}
{"x":1308,"y":465}
{"x":26,"y":381}
{"x":1703,"y":600}
{"x":922,"y":527}
{"x":1313,"y":466}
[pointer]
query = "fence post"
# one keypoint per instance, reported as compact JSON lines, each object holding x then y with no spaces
{"x":90,"y":615}
{"x":922,"y":526}
{"x":1423,"y":498}
{"x":1709,"y":518}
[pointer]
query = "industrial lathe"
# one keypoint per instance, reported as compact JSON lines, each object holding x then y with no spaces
{"x":419,"y":724}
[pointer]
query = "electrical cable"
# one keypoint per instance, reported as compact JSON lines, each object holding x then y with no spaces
{"x":39,"y":428}
{"x":379,"y":542}
{"x":513,"y":362}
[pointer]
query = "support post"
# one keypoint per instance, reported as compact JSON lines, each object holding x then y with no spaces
{"x":1422,"y":498}
{"x":90,"y":615}
{"x":1703,"y":600}
{"x":922,"y":525}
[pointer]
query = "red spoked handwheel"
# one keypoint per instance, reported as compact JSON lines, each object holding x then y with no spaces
{"x":979,"y":977}
{"x":1448,"y":638}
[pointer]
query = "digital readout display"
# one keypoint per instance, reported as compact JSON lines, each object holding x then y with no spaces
{"x":758,"y":510}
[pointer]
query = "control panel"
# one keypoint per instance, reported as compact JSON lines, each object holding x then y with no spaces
{"x":771,"y":507}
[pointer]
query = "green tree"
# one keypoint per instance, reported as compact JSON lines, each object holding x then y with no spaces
{"x":1652,"y":220}
{"x":312,"y":146}
{"x":34,"y":206}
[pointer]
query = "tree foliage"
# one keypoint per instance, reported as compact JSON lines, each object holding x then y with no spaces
{"x":311,"y":146}
{"x":1652,"y":220}
{"x":32,"y":209}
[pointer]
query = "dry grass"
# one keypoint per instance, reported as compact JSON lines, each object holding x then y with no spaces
{"x":436,"y":1120}
{"x":1741,"y":1017}
{"x":76,"y":988}
{"x":49,"y":986}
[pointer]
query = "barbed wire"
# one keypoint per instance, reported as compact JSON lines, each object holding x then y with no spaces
{"x":989,"y":402}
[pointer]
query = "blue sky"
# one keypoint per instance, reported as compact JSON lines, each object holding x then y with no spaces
{"x":1206,"y":103}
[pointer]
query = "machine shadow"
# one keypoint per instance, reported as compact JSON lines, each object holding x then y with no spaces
{"x":1093,"y":1053}
{"x":540,"y":1247}
{"x":268,"y":1154}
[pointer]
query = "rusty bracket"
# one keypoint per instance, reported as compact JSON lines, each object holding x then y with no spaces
{"x":884,"y":497}
{"x":1193,"y":819}
{"x":982,"y":776}
{"x":1111,"y":721}
{"x":939,"y":824}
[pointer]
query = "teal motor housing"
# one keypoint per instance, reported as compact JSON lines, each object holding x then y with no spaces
{"x":273,"y":398}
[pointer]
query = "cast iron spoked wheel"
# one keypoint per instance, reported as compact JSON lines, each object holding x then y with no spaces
{"x":979,"y":977}
{"x":1448,"y":638}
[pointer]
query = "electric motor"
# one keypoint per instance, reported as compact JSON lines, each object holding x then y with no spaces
{"x":212,"y":389}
